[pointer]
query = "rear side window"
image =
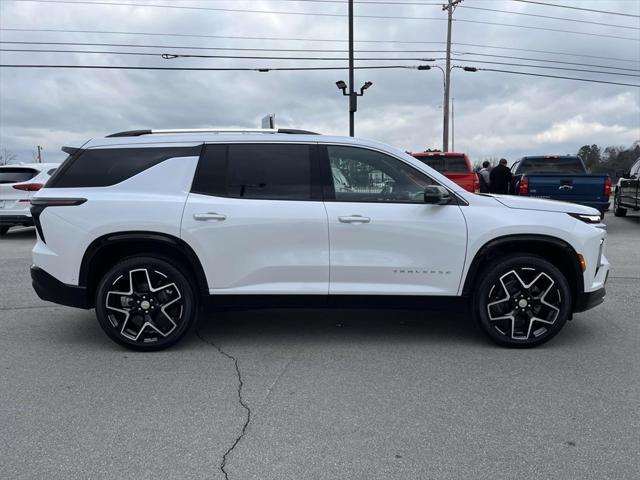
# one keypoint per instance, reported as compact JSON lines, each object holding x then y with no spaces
{"x":107,"y":166}
{"x":445,"y":164}
{"x":566,"y":165}
{"x":256,"y":171}
{"x":16,"y":174}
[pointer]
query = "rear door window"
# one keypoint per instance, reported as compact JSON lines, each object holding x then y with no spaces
{"x":16,"y":174}
{"x":269,"y":171}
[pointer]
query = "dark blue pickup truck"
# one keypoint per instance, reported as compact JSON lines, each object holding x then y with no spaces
{"x":560,"y":178}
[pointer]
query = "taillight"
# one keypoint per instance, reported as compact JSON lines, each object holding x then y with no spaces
{"x":524,"y":186}
{"x":29,"y":187}
{"x":476,"y":184}
{"x":607,"y":187}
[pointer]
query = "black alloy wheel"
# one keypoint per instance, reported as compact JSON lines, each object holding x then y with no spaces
{"x":522,"y":301}
{"x":145,"y":303}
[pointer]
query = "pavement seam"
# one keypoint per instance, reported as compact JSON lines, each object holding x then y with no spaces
{"x":223,"y":462}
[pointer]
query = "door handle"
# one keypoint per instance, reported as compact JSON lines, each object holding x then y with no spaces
{"x":209,"y":216}
{"x":354,"y":219}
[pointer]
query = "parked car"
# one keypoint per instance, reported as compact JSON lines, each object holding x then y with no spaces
{"x":18,"y":183}
{"x":561,"y":178}
{"x":627,"y":192}
{"x":454,"y":166}
{"x":147,"y":226}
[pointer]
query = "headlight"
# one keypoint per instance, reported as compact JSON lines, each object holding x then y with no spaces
{"x":587,"y":218}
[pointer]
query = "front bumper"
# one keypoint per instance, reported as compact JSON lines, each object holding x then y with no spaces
{"x":16,"y":220}
{"x":588,"y":300}
{"x":53,"y":290}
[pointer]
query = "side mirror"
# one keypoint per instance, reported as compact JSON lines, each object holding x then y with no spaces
{"x":436,"y":195}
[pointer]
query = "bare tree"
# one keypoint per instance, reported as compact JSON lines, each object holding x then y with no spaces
{"x":6,"y":156}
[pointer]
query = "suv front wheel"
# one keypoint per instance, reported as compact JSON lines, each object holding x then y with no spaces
{"x":145,"y":303}
{"x":522,"y":301}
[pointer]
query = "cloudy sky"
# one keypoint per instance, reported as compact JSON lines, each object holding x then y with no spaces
{"x":496,"y":114}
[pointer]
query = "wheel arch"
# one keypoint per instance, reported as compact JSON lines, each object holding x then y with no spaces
{"x":108,"y":249}
{"x":553,"y":249}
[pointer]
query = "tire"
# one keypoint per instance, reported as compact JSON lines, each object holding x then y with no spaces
{"x":521,"y":301}
{"x":4,"y":230}
{"x":618,"y":211}
{"x":156,"y":309}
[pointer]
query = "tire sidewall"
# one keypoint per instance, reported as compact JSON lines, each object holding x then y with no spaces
{"x":617,"y":209}
{"x":176,"y":274}
{"x":491,"y":275}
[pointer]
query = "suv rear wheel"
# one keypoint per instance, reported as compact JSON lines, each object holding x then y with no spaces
{"x":145,"y":303}
{"x":522,"y":301}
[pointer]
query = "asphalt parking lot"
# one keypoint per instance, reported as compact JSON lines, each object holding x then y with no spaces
{"x":331,"y":395}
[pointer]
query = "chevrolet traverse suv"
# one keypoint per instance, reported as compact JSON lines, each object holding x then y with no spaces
{"x":149,"y":227}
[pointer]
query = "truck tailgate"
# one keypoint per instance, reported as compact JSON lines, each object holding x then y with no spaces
{"x":570,"y":188}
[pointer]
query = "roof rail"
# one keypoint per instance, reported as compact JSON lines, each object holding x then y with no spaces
{"x":138,"y":133}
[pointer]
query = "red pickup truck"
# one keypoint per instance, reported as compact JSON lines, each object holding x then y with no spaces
{"x":454,"y":166}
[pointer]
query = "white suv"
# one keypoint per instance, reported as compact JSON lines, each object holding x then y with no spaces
{"x":149,"y":226}
{"x":18,"y":183}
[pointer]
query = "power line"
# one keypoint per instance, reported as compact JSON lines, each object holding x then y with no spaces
{"x":293,"y":50}
{"x":208,"y":69}
{"x":558,"y":76}
{"x":547,"y":67}
{"x":546,"y":29}
{"x":269,"y":69}
{"x":565,"y":19}
{"x":316,"y":14}
{"x":221,"y":9}
{"x":171,"y":56}
{"x":313,"y":40}
{"x":578,"y":8}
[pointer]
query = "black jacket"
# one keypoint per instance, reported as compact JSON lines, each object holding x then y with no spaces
{"x":500,"y":179}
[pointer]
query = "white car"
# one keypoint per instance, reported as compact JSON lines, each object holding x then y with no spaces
{"x":18,"y":183}
{"x":148,"y":226}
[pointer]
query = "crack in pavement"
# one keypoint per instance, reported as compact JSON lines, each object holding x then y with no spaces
{"x":223,"y":462}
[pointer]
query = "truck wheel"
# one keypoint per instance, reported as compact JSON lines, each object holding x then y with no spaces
{"x":145,"y":303}
{"x":618,"y":211}
{"x":522,"y":301}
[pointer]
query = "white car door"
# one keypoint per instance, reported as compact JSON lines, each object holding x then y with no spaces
{"x":383,"y":238}
{"x":256,"y":220}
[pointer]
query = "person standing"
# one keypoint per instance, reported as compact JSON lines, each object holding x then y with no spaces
{"x":484,"y":175}
{"x":500,"y":178}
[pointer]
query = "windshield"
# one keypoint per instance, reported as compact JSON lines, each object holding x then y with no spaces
{"x":446,"y":163}
{"x":16,"y":174}
{"x":552,"y":165}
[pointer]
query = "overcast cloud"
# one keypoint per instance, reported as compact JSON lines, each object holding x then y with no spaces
{"x":495,"y":114}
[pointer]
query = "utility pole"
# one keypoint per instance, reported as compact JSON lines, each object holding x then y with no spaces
{"x":352,"y":96}
{"x":453,"y":126}
{"x":450,"y":7}
{"x":39,"y":154}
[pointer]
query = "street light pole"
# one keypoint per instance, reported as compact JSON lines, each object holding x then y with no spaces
{"x":352,"y":96}
{"x":446,"y":74}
